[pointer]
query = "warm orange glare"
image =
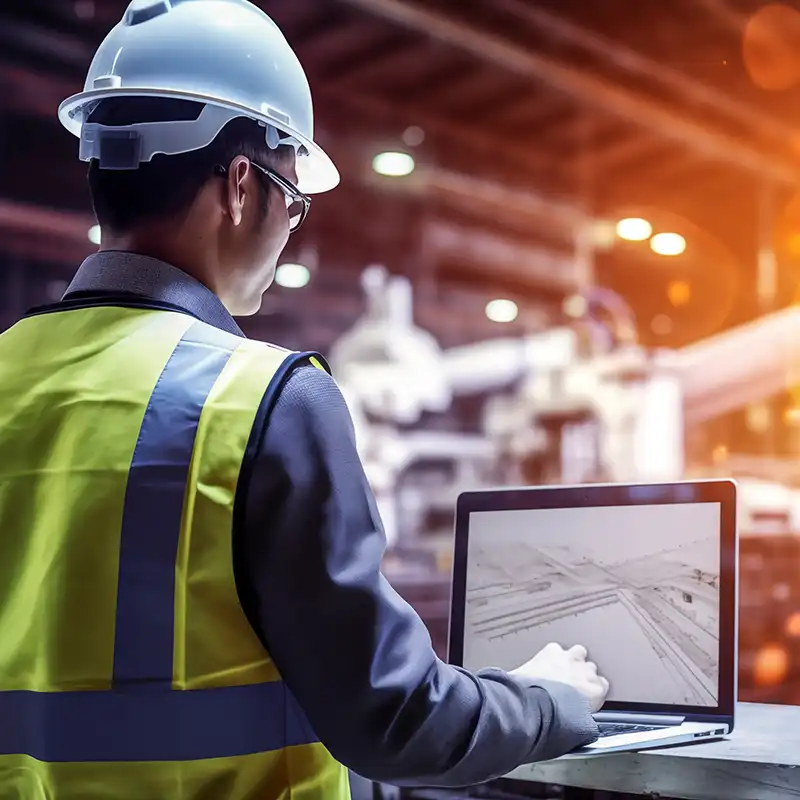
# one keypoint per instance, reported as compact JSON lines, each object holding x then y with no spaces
{"x":791,"y":416}
{"x":793,"y":245}
{"x":679,"y":293}
{"x":790,"y":216}
{"x":719,"y":454}
{"x":768,"y":51}
{"x":771,"y":665}
{"x":793,"y":625}
{"x":758,"y":417}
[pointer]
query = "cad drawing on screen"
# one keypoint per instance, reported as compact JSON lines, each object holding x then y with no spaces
{"x":638,"y":586}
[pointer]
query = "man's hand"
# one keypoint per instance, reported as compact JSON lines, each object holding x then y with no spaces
{"x":554,"y":663}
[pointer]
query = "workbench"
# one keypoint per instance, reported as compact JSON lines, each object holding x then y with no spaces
{"x":759,"y":761}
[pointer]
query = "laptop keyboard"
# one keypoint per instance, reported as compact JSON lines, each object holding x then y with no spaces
{"x":618,"y":728}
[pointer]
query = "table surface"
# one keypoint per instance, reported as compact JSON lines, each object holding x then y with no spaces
{"x":760,"y":760}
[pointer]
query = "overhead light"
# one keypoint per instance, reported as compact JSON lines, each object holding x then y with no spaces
{"x":414,"y":136}
{"x":292,"y":276}
{"x":575,"y":306}
{"x":634,"y":229}
{"x":603,"y":234}
{"x":94,"y":234}
{"x":85,"y":9}
{"x":393,"y":165}
{"x":668,"y":244}
{"x":661,"y":325}
{"x":502,"y":310}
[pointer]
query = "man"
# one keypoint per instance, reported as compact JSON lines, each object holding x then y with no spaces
{"x":191,"y":602}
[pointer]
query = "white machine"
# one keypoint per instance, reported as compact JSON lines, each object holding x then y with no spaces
{"x":390,"y":372}
{"x":566,"y":405}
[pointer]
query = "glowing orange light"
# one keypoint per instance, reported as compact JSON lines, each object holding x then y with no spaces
{"x":793,"y":625}
{"x":768,"y":53}
{"x":791,"y":415}
{"x":793,"y":245}
{"x":679,"y":293}
{"x":771,"y":665}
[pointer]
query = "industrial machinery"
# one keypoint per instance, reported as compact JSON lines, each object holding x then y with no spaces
{"x":390,"y":372}
{"x":577,"y":403}
{"x":581,"y":402}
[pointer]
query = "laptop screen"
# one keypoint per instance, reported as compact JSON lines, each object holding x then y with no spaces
{"x":637,"y":585}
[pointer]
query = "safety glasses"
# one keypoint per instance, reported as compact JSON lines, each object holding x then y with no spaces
{"x":297,"y":204}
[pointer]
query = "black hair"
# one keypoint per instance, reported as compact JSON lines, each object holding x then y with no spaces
{"x":167,"y":186}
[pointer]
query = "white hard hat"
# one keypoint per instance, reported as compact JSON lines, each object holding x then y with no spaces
{"x":226,"y":54}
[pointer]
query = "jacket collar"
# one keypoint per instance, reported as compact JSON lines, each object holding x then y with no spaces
{"x":131,"y":273}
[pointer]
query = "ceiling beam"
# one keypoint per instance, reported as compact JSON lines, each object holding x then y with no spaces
{"x":44,"y":233}
{"x":44,"y":42}
{"x":371,"y":66}
{"x":590,"y":88}
{"x":723,"y":13}
{"x":334,"y":45}
{"x":37,"y":221}
{"x":634,"y":146}
{"x":534,"y":114}
{"x":450,"y":133}
{"x":33,"y":93}
{"x":502,"y":258}
{"x":634,"y":63}
{"x":566,"y":217}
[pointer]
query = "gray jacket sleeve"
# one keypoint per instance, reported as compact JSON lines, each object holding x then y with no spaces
{"x":354,"y":653}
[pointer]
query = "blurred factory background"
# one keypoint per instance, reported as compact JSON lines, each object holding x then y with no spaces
{"x":566,"y":248}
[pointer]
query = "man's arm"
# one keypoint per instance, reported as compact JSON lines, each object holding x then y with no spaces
{"x":355,"y":655}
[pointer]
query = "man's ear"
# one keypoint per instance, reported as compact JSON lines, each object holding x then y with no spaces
{"x":237,"y":190}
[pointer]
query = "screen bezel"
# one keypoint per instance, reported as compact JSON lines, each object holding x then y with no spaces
{"x":712,"y":491}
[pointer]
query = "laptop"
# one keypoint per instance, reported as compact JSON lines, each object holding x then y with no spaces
{"x":644,"y":576}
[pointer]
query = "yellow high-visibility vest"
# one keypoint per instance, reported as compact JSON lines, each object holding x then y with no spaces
{"x":128,"y":669}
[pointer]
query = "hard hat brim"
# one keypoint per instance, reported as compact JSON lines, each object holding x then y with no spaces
{"x":316,"y":171}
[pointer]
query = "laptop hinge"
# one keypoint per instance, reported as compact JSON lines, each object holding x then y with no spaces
{"x":633,"y":718}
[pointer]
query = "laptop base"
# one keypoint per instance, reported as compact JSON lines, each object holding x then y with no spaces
{"x":660,"y":737}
